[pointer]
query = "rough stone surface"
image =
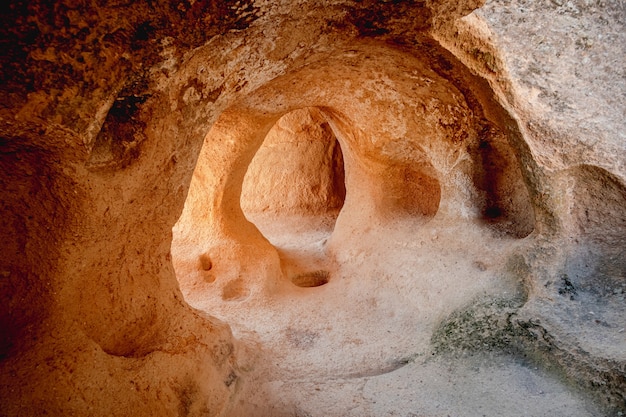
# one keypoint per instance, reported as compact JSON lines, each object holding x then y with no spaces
{"x":336,"y":208}
{"x":308,"y":170}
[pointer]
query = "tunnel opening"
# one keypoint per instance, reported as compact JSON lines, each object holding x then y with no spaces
{"x":293,"y":191}
{"x":275,"y":199}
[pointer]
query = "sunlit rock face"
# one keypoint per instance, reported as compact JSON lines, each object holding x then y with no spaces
{"x":273,"y":208}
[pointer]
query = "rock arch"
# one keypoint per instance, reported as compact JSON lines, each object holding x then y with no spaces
{"x":411,"y":140}
{"x":452,"y":144}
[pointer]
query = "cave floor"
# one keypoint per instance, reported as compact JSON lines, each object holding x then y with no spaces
{"x":474,"y":385}
{"x":360,"y":345}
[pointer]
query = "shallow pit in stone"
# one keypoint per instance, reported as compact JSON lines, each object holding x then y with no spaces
{"x":235,"y":291}
{"x":311,"y":279}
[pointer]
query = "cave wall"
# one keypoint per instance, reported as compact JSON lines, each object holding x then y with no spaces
{"x":307,"y":175}
{"x":107,"y":108}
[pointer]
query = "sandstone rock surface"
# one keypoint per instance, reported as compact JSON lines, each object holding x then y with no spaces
{"x":278,"y":208}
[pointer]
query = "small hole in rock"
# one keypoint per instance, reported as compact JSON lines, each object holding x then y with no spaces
{"x":311,"y":279}
{"x":205,"y":262}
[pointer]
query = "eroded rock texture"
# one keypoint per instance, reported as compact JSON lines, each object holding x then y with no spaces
{"x":308,"y":169}
{"x":354,"y":187}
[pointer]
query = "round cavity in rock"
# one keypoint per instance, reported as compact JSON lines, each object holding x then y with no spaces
{"x":208,"y":277}
{"x":311,"y":279}
{"x":205,"y":262}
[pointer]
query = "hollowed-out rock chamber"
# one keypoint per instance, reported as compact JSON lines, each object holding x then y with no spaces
{"x":274,"y":208}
